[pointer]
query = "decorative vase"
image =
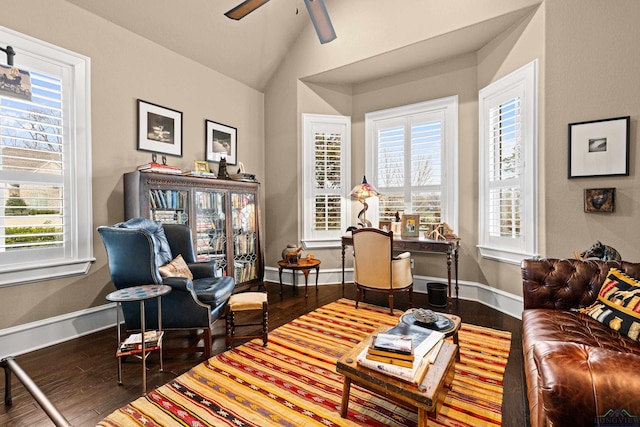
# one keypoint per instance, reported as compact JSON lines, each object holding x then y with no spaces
{"x":291,"y":253}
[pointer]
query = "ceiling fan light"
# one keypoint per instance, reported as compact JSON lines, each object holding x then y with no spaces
{"x":244,"y":8}
{"x":321,"y":21}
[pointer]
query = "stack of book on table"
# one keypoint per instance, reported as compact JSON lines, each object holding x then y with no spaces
{"x":159,"y":167}
{"x":404,"y":352}
{"x":133,"y":343}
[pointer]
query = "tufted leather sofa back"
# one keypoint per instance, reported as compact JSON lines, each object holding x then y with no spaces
{"x":567,"y":283}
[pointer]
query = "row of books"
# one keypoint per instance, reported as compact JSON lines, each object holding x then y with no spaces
{"x":133,"y":343}
{"x":404,"y":352}
{"x":244,"y":271}
{"x":167,"y":199}
{"x":244,"y":244}
{"x":159,"y":167}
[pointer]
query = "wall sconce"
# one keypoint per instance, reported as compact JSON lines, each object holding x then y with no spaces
{"x":361,"y":192}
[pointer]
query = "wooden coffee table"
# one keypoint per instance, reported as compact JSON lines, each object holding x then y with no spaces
{"x":427,"y":397}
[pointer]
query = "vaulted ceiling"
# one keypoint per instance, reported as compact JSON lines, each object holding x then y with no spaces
{"x":251,"y":49}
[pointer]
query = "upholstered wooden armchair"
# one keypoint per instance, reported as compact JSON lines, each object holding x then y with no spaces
{"x":376,"y":269}
{"x":139,"y":249}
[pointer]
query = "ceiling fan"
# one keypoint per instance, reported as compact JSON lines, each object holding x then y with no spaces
{"x":317,"y":12}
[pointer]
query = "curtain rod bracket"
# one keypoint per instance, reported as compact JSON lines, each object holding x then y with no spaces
{"x":10,"y":54}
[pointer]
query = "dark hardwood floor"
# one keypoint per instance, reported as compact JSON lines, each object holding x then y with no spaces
{"x":80,"y":376}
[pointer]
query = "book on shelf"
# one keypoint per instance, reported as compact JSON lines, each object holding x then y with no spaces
{"x":424,"y":351}
{"x":200,"y":174}
{"x":159,"y":167}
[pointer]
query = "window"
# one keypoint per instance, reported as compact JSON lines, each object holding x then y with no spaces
{"x":325,"y":177}
{"x":508,"y":167}
{"x":411,"y":154}
{"x":45,"y":166}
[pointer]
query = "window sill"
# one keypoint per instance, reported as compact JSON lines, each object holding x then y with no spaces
{"x":505,"y":255}
{"x":39,"y":273}
{"x":321,"y":243}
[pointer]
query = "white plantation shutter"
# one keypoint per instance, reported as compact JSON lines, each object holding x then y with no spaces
{"x":31,"y":168}
{"x":326,"y":148}
{"x":412,"y":160}
{"x":508,"y":167}
{"x":46,"y":226}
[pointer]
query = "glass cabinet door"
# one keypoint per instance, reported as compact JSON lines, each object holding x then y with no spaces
{"x":245,"y":244}
{"x":169,"y":206}
{"x":211,"y":236}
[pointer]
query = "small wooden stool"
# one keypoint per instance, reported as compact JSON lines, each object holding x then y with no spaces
{"x":247,"y":301}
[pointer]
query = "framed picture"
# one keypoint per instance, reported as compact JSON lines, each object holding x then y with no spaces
{"x":159,"y":129}
{"x":410,"y":225}
{"x":201,"y":166}
{"x":599,"y":200}
{"x":384,"y":225}
{"x":221,"y":141}
{"x":599,"y":148}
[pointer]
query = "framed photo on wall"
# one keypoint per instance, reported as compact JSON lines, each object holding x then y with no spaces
{"x":159,"y":129}
{"x":599,"y":200}
{"x":410,"y":225}
{"x":221,"y":141}
{"x":599,"y":148}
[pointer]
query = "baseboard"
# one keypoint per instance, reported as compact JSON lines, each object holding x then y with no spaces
{"x":44,"y":333}
{"x":497,"y":299}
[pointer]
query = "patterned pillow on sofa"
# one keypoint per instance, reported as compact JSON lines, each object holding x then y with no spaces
{"x":618,"y":304}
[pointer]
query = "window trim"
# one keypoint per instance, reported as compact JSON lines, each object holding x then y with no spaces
{"x":525,"y":81}
{"x":449,"y":106}
{"x":308,"y":122}
{"x":76,"y":69}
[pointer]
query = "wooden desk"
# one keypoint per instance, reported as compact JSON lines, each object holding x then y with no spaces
{"x":421,"y":245}
{"x":428,"y":397}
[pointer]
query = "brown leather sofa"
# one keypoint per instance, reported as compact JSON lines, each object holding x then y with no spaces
{"x":578,"y":371}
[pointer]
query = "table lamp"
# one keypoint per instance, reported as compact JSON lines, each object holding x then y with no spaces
{"x":361,"y":192}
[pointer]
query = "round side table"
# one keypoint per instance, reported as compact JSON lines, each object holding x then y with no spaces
{"x":304,"y":265}
{"x":139,"y":293}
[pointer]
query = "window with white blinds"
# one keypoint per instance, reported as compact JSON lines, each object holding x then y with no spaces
{"x":45,"y":180}
{"x":508,"y":171}
{"x":411,"y":160}
{"x":326,"y":148}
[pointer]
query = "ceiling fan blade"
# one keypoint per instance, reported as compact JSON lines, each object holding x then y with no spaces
{"x":321,"y":21}
{"x":244,"y":8}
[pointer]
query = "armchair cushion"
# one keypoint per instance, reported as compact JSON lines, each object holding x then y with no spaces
{"x":176,"y":267}
{"x":214,"y":290}
{"x":160,"y":242}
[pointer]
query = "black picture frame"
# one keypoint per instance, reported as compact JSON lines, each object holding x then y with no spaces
{"x":218,"y":136}
{"x":159,"y":129}
{"x":599,"y":148}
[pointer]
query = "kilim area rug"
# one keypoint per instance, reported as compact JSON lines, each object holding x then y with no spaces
{"x":293,"y":381}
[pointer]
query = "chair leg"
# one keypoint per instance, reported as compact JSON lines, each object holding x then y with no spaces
{"x":358,"y":295}
{"x":391,"y":303}
{"x":410,"y":296}
{"x":208,"y":342}
{"x":229,"y":323}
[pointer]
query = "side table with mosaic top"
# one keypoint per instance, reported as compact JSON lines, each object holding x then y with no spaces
{"x":139,"y":293}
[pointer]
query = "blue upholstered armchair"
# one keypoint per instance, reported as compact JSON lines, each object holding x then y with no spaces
{"x":137,"y":248}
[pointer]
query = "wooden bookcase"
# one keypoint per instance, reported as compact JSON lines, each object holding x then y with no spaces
{"x":224,"y":217}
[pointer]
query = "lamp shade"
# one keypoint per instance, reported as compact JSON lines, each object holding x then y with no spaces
{"x":363,"y":190}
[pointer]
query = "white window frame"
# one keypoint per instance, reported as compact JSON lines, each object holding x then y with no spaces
{"x":447,"y":107}
{"x":311,"y":124}
{"x":524,"y":84}
{"x":75,"y":71}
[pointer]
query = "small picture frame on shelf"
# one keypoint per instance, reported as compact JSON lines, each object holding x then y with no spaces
{"x":221,"y":142}
{"x":201,"y":166}
{"x":384,"y":225}
{"x":410,"y":225}
{"x":599,"y":200}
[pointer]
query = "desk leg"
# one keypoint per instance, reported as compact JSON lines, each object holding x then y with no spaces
{"x":449,"y":279}
{"x":280,"y":275}
{"x":144,"y":350}
{"x":343,"y":250}
{"x":346,"y":389}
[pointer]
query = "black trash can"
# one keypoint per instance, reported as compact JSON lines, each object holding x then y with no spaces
{"x":437,"y":293}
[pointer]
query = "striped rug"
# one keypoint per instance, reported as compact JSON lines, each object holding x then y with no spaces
{"x":293,"y":381}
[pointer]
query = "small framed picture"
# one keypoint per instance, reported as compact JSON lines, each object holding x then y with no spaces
{"x":410,"y":225}
{"x":384,"y":225}
{"x":221,"y":142}
{"x":599,"y":148}
{"x":159,"y":129}
{"x":201,"y":166}
{"x":599,"y":200}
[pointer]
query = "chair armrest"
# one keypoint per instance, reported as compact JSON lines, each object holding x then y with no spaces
{"x":201,"y":270}
{"x":401,"y":269}
{"x":403,"y":255}
{"x":579,"y":383}
{"x":178,"y":283}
